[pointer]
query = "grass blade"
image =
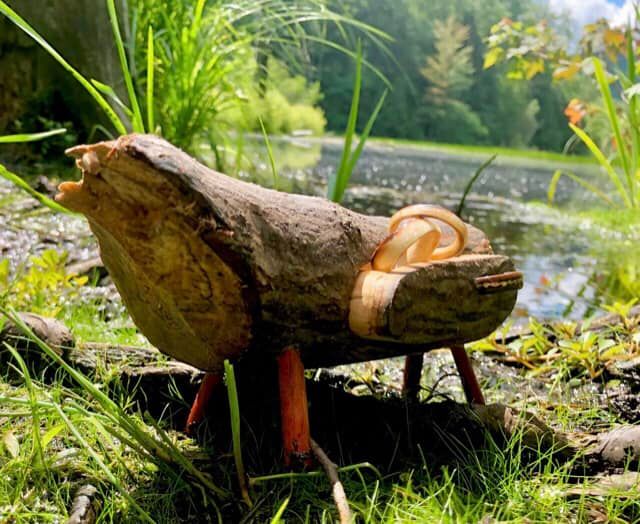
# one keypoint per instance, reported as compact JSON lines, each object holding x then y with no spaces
{"x":44,"y":200}
{"x":633,"y":104}
{"x":277,"y":518}
{"x":615,"y":125}
{"x":234,"y":411}
{"x":33,"y":401}
{"x":272,"y":161}
{"x":105,"y":469}
{"x":150,"y":73}
{"x":363,"y":139}
{"x":335,"y":183}
{"x":595,"y":150}
{"x":165,"y":453}
{"x":30,"y":137}
{"x":24,"y":26}
{"x":551,"y":192}
{"x":472,"y":181}
{"x":138,"y":125}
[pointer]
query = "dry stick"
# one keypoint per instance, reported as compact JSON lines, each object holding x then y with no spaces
{"x":83,"y":509}
{"x":337,"y":489}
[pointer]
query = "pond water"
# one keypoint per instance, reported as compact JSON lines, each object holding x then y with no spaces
{"x":566,"y":270}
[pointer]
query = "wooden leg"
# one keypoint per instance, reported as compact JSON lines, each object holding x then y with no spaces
{"x":199,"y":406}
{"x":412,"y":375}
{"x":469,"y":381}
{"x":294,"y":411}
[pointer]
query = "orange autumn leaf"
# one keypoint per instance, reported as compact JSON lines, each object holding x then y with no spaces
{"x":575,"y":111}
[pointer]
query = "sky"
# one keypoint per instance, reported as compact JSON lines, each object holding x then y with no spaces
{"x":585,"y":11}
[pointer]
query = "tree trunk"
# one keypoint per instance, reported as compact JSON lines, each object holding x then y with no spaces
{"x":210,"y":266}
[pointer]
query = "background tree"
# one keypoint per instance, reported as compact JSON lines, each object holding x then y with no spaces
{"x":449,"y":73}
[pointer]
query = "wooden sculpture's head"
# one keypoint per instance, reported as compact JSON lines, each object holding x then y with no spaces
{"x":179,"y":291}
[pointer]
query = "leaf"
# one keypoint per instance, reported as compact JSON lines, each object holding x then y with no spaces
{"x":363,"y":139}
{"x":30,"y":137}
{"x":11,"y":444}
{"x":472,"y":181}
{"x":595,"y":151}
{"x":110,"y":93}
{"x":150,"y":73}
{"x":607,"y":98}
{"x":492,"y":57}
{"x":634,"y":90}
{"x":277,"y":518}
{"x":272,"y":161}
{"x":335,"y":179}
{"x":566,"y":72}
{"x":138,"y":125}
{"x":44,"y":200}
{"x":533,"y":67}
{"x":51,"y":434}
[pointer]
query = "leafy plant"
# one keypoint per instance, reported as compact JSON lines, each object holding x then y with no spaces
{"x":529,"y":50}
{"x":339,"y":180}
{"x":207,"y":64}
{"x":45,"y":287}
{"x":563,"y":351}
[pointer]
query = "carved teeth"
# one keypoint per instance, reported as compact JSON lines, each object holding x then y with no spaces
{"x":90,"y":163}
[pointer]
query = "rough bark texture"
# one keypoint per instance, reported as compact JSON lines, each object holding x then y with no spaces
{"x":210,"y":266}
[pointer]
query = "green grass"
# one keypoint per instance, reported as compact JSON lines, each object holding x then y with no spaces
{"x":78,"y":447}
{"x":81,"y":441}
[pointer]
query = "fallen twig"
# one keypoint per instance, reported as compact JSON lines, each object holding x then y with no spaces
{"x":337,"y":489}
{"x":83,"y":510}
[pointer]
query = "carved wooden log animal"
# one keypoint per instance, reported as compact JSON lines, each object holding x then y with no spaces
{"x":212,"y":268}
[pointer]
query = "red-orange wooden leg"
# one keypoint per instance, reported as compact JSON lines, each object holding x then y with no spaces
{"x":469,"y":381}
{"x":294,"y":411}
{"x":412,"y":375}
{"x":199,"y":406}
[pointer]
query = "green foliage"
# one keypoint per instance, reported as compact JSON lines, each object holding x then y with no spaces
{"x":44,"y":288}
{"x":449,"y":70}
{"x":449,"y":73}
{"x":30,"y":137}
{"x":19,"y":182}
{"x":207,"y":77}
{"x":151,"y":445}
{"x":340,"y":179}
{"x":285,"y":103}
{"x":528,"y":50}
{"x":492,"y":112}
{"x":199,"y":62}
{"x":561,"y":351}
{"x":455,"y":122}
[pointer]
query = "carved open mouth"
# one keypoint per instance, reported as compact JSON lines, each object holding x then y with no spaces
{"x":76,"y":195}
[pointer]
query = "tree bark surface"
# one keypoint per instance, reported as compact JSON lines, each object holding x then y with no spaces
{"x":210,"y":266}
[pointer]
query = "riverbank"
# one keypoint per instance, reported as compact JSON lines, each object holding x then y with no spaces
{"x":504,"y":153}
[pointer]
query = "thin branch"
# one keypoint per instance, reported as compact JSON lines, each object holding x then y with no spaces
{"x":337,"y":489}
